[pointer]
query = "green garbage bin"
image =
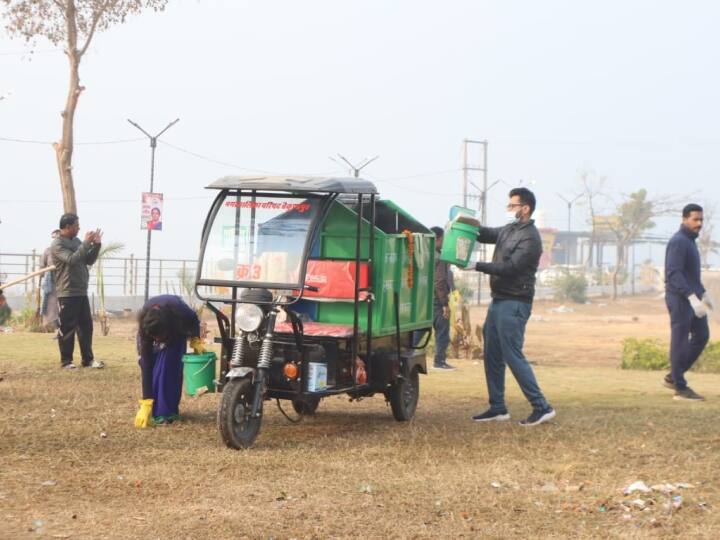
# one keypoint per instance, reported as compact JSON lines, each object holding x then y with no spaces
{"x":199,"y":372}
{"x":459,"y":241}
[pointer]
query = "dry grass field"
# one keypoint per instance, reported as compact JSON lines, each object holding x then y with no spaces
{"x":73,"y":466}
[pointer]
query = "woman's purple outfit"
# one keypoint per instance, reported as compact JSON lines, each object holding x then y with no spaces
{"x":162,"y":371}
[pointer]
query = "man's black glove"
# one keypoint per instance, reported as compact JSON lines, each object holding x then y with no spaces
{"x":481,"y":266}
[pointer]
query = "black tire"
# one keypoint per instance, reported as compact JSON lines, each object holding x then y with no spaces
{"x":237,"y":429}
{"x":403,"y":396}
{"x":306,"y":406}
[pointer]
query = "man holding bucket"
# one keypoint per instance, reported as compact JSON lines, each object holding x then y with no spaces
{"x":512,"y":283}
{"x":164,"y":324}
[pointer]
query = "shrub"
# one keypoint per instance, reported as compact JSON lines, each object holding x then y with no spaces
{"x":651,"y":354}
{"x":709,"y":361}
{"x":646,"y":354}
{"x":570,"y":286}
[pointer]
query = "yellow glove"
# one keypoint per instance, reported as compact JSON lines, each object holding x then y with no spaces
{"x":142,"y":418}
{"x":197,"y":345}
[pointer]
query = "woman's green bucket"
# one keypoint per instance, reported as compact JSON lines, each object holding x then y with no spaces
{"x":199,"y":372}
{"x":459,"y":241}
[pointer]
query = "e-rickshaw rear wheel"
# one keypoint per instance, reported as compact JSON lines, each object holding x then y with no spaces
{"x":306,"y":406}
{"x":403,"y":396}
{"x":237,"y":428}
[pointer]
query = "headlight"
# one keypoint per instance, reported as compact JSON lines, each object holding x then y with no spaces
{"x":248,"y":317}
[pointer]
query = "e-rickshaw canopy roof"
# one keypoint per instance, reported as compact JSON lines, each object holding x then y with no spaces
{"x":296,"y":183}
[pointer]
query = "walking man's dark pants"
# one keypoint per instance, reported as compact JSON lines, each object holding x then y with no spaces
{"x":441,"y":325}
{"x":75,"y":318}
{"x":504,"y":335}
{"x":688,"y":336}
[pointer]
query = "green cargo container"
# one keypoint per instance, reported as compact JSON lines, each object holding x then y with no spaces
{"x":390,"y":266}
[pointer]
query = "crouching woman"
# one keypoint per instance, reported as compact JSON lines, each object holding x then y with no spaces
{"x":164,"y":325}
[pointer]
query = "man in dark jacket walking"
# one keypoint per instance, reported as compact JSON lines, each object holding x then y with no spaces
{"x":71,"y":258}
{"x":512,"y":283}
{"x":687,"y":302}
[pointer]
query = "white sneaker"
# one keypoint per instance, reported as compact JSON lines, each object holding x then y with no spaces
{"x":96,"y":364}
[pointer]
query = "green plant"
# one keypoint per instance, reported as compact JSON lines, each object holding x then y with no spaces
{"x":110,"y":249}
{"x":570,"y":286}
{"x":28,"y":317}
{"x":646,"y":354}
{"x":652,"y":355}
{"x":709,"y":361}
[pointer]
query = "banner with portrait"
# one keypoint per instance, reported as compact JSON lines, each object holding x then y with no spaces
{"x":151,"y":211}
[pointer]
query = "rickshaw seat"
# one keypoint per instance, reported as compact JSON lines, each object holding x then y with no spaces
{"x":312,"y":328}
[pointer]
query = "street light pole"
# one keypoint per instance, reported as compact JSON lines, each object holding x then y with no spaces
{"x":153,"y":145}
{"x":569,"y":226}
{"x":353,"y":168}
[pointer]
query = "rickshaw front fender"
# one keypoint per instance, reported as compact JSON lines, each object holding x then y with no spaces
{"x":240,"y":373}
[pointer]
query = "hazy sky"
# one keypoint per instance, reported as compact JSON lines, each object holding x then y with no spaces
{"x":627,"y":89}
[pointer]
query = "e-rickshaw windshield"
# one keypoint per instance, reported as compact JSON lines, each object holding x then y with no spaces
{"x":258,"y":240}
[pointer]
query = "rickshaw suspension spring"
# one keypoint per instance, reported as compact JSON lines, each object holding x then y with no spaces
{"x":238,"y":353}
{"x":265,"y":354}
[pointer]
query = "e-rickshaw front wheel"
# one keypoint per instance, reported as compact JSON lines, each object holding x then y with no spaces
{"x":237,"y":428}
{"x":403,"y":396}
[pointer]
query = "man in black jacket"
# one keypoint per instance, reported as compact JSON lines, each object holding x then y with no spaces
{"x":686,"y":301}
{"x":512,"y":283}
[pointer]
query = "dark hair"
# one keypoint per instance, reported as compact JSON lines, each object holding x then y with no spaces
{"x":68,"y":219}
{"x":155,"y":208}
{"x":525,"y":195}
{"x":160,"y":321}
{"x":690,"y":208}
{"x":439,"y":231}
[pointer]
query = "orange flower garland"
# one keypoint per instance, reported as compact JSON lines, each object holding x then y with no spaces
{"x":411,"y":253}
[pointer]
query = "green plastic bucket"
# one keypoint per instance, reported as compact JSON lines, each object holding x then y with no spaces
{"x":458,"y":243}
{"x":199,"y":372}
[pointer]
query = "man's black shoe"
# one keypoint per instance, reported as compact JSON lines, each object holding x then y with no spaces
{"x":444,"y":367}
{"x":491,"y":416}
{"x":538,"y":416}
{"x":668,"y":382}
{"x":687,"y":394}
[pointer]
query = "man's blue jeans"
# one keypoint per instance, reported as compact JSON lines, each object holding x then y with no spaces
{"x":441,"y":326}
{"x":504,"y":335}
{"x":688,"y":336}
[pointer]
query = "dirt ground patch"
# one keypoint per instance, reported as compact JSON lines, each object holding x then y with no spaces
{"x":352,"y":471}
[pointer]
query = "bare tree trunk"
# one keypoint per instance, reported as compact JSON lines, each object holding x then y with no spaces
{"x":64,"y":149}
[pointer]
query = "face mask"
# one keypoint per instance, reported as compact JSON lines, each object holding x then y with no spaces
{"x":512,"y":216}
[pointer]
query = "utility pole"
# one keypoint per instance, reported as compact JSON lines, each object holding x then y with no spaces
{"x":569,"y":226}
{"x":467,"y":168}
{"x":353,"y":168}
{"x":153,"y":145}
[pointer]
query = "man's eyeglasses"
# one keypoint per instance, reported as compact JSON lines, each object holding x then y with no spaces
{"x":514,"y":205}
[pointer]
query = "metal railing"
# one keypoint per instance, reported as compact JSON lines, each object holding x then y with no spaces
{"x":122,"y":276}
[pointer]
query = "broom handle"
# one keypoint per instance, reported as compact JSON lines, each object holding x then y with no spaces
{"x":4,"y":286}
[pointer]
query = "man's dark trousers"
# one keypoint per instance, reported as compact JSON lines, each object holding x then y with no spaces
{"x":441,"y":325}
{"x":688,"y":336}
{"x":75,"y":318}
{"x":504,"y":336}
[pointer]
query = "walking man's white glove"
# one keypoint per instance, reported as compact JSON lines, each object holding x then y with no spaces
{"x":699,"y":306}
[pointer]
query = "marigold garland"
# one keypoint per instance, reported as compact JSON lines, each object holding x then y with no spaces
{"x":411,"y":252}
